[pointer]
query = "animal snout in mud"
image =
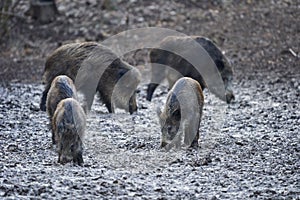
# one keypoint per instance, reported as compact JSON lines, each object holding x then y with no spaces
{"x":73,"y":154}
{"x":229,"y":96}
{"x":180,"y":67}
{"x":64,"y":159}
{"x":181,"y":115}
{"x":69,"y":123}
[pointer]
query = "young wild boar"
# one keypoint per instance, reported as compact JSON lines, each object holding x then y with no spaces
{"x":62,"y":87}
{"x":68,"y":124}
{"x":181,"y":115}
{"x":100,"y":69}
{"x":179,"y":67}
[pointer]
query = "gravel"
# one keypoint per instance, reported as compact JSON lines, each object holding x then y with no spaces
{"x":249,"y":149}
{"x":253,"y":155}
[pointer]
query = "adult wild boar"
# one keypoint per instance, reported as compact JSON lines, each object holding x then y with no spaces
{"x":69,"y":122}
{"x":98,"y":69}
{"x":179,"y":67}
{"x":181,"y":115}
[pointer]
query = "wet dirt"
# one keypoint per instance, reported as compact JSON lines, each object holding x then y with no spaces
{"x":250,"y":149}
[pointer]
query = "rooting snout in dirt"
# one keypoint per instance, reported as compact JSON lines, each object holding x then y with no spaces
{"x":69,"y":123}
{"x":181,"y":115}
{"x":167,"y":64}
{"x":97,"y":69}
{"x":62,"y":87}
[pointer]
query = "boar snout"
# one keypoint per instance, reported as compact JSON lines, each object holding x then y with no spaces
{"x":229,"y":96}
{"x":163,"y":144}
{"x":228,"y":88}
{"x":62,"y":159}
{"x":78,"y":159}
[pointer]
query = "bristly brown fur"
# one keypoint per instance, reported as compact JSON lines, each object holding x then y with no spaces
{"x":179,"y":67}
{"x":99,"y":64}
{"x":182,"y":113}
{"x":62,"y":87}
{"x":69,"y":122}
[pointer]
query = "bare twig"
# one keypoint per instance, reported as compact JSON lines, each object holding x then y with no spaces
{"x":290,"y":51}
{"x":293,"y":52}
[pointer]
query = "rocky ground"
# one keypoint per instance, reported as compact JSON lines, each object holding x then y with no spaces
{"x":249,"y":149}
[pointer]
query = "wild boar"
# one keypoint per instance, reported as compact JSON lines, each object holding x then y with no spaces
{"x":99,"y":68}
{"x":62,"y":87}
{"x":69,"y":122}
{"x":179,"y":67}
{"x":181,"y":115}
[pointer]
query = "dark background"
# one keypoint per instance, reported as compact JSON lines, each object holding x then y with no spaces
{"x":258,"y":36}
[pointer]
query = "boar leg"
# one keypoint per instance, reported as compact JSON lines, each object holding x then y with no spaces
{"x":132,"y":104}
{"x":195,"y":142}
{"x":191,"y":133}
{"x":44,"y":98}
{"x":53,"y":138}
{"x":196,"y":139}
{"x":108,"y":105}
{"x":59,"y":155}
{"x":150,"y":90}
{"x":106,"y":99}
